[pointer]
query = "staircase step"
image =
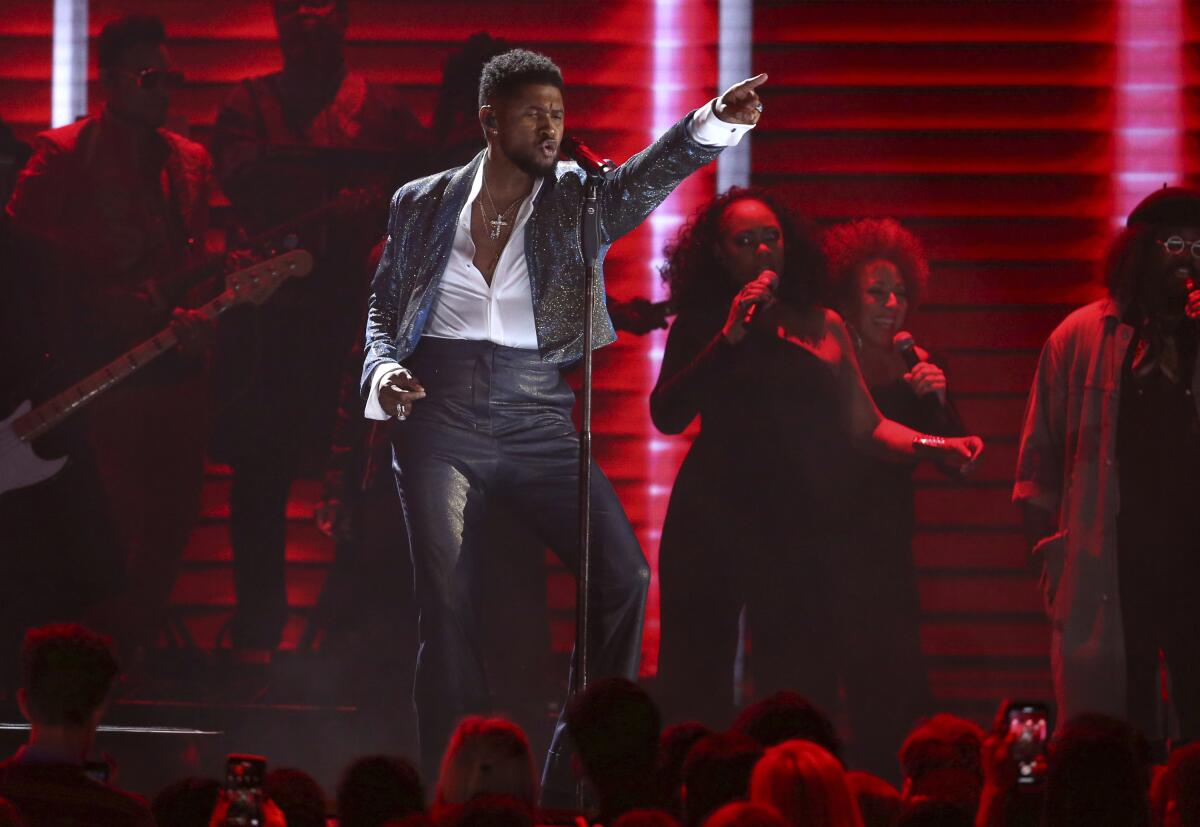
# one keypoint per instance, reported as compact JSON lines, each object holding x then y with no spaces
{"x":209,"y":543}
{"x":214,"y":499}
{"x":204,"y":625}
{"x":214,"y":587}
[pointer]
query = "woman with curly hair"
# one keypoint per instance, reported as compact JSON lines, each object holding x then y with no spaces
{"x":878,"y":273}
{"x":758,"y":505}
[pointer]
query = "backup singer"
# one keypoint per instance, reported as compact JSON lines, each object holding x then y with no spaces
{"x":878,"y":275}
{"x":1108,"y":472}
{"x":759,"y":505}
{"x":480,"y":295}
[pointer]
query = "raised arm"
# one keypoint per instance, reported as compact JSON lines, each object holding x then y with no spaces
{"x":928,"y":381}
{"x":645,"y":180}
{"x":694,"y":362}
{"x":698,"y":355}
{"x":870,"y":428}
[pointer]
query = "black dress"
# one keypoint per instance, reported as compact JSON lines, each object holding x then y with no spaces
{"x":753,"y":519}
{"x":883,"y":671}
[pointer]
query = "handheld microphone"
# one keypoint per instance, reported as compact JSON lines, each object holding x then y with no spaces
{"x":772,"y":277}
{"x":934,"y":403}
{"x":587,"y":158}
{"x":906,"y":346}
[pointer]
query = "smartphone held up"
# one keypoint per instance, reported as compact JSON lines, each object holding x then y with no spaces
{"x":244,"y":779}
{"x":1027,"y":730}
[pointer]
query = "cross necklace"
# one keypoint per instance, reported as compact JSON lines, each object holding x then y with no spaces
{"x":497,"y":224}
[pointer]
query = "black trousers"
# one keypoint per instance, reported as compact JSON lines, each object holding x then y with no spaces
{"x":495,"y":427}
{"x":1159,"y":611}
{"x":258,"y":500}
{"x":715,"y":561}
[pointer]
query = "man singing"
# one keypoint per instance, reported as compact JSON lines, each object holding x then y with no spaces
{"x":1108,"y":473}
{"x":480,"y":294}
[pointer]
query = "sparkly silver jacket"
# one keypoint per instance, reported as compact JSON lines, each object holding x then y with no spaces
{"x":424,"y":217}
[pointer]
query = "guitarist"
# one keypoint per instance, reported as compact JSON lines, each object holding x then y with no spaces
{"x":102,"y":207}
{"x":285,"y":143}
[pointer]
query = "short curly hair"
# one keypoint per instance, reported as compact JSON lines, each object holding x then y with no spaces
{"x":696,"y":278}
{"x":615,"y":726}
{"x":787,"y":715}
{"x":66,"y":672}
{"x":851,"y":245}
{"x":377,"y":788}
{"x":504,"y":73}
{"x":942,"y":742}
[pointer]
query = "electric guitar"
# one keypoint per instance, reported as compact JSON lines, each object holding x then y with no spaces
{"x":21,"y":467}
{"x":173,"y":287}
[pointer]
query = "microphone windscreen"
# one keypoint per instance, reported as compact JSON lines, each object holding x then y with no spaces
{"x":585,"y":156}
{"x":906,"y":346}
{"x":772,"y":277}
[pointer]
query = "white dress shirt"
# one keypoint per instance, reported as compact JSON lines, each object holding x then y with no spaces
{"x":467,"y":307}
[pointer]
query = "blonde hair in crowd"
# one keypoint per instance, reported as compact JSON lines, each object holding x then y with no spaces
{"x":488,"y":756}
{"x":806,"y":785}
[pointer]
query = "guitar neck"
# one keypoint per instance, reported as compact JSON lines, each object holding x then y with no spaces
{"x":54,"y":410}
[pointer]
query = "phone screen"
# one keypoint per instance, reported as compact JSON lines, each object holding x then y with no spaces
{"x":244,"y":775}
{"x":1028,"y":728}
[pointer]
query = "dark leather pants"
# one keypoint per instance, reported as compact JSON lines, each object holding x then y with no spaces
{"x":495,"y":429}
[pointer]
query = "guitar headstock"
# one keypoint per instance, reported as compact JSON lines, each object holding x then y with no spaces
{"x":256,"y":284}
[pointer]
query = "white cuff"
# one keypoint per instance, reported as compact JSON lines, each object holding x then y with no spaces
{"x":373,"y":409}
{"x":709,"y":130}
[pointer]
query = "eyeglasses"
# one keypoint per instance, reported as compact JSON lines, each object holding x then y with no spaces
{"x":1175,"y":245}
{"x":151,"y":79}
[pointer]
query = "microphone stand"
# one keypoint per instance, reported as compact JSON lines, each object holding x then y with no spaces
{"x":591,"y":256}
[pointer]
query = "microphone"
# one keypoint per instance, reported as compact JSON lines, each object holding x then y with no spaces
{"x":935,"y":405}
{"x":590,"y":160}
{"x":906,"y":346}
{"x":773,"y":278}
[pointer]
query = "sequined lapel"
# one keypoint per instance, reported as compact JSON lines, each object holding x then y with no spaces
{"x":445,"y":222}
{"x":535,"y":241}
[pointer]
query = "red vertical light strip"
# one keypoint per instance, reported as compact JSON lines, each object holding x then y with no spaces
{"x":684,"y":34}
{"x":1149,"y":124}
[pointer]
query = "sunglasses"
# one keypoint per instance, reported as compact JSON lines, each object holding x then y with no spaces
{"x":152,"y":79}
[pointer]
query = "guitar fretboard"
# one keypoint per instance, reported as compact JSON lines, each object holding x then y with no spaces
{"x":256,"y":283}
